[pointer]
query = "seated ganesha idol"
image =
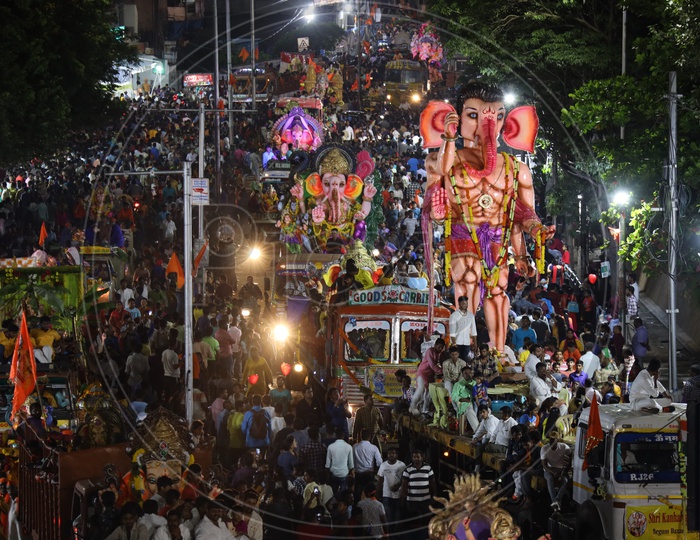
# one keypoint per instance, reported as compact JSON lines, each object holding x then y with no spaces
{"x":161,"y":446}
{"x":331,"y":195}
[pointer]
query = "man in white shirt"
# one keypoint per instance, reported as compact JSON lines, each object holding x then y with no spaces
{"x":211,"y":527}
{"x":544,"y":385}
{"x":463,"y":328}
{"x":339,"y":461}
{"x":173,"y":528}
{"x":647,"y":393}
{"x":501,"y":435}
{"x":535,"y":357}
{"x":556,"y":461}
{"x":483,"y":433}
{"x":348,"y":133}
{"x":591,"y":362}
{"x":236,"y":334}
{"x":389,"y":486}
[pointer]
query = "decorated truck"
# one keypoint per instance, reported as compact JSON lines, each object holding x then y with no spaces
{"x":631,"y":488}
{"x":379,"y":331}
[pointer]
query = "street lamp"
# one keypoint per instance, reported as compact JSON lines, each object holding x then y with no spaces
{"x":255,"y":254}
{"x":621,"y":199}
{"x":509,"y":98}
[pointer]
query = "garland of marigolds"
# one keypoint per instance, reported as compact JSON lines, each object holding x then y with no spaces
{"x":448,"y":252}
{"x":539,"y":250}
{"x":490,"y":275}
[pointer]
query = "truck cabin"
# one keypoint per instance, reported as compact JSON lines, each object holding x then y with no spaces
{"x":638,"y":464}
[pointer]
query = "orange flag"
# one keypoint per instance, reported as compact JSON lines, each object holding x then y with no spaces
{"x":368,"y":81}
{"x":244,"y":54}
{"x":23,"y":370}
{"x":174,"y":267}
{"x":355,"y":86}
{"x":43,"y":235}
{"x":198,"y":258}
{"x":256,"y":53}
{"x":595,"y":432}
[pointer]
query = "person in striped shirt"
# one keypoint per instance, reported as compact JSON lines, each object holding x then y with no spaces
{"x":417,"y":489}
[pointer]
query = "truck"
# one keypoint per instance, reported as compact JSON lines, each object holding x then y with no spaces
{"x":379,"y":331}
{"x":405,"y":81}
{"x":632,"y":485}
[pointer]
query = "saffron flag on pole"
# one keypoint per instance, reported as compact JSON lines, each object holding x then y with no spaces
{"x":23,"y":370}
{"x":43,"y":235}
{"x":198,"y":258}
{"x":174,"y":267}
{"x":595,"y":432}
{"x":244,"y":54}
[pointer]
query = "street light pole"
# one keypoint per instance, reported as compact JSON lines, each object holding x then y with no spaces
{"x":188,"y":292}
{"x":217,"y":124}
{"x":621,"y":286}
{"x":229,"y":70}
{"x":252,"y":53}
{"x":672,"y":234}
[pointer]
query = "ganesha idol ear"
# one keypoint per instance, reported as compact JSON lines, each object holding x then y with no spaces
{"x":520,"y":128}
{"x":353,"y":189}
{"x":432,"y":123}
{"x":314,"y":186}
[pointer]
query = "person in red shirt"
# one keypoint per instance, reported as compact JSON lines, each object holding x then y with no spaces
{"x":116,"y":318}
{"x":588,"y":307}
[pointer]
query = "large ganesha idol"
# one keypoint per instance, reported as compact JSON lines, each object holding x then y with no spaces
{"x":484,"y":198}
{"x":297,"y":131}
{"x":331,"y":195}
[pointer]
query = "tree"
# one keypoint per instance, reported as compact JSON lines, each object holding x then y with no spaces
{"x":565,"y":57}
{"x":59,"y":64}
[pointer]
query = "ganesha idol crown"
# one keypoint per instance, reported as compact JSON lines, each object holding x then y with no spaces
{"x":334,"y":162}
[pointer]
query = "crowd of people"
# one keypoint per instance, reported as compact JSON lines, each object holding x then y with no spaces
{"x":296,"y":465}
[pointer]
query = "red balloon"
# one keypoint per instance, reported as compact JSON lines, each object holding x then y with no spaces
{"x":253,"y":379}
{"x":285,"y":368}
{"x":592,"y":278}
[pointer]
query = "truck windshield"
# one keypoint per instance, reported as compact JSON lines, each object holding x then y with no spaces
{"x":412,"y":76}
{"x":647,"y":458}
{"x":412,"y":339}
{"x":370,"y":338}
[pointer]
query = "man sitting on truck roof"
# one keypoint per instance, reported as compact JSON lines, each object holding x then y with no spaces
{"x":8,"y":338}
{"x":647,"y":393}
{"x":46,"y":339}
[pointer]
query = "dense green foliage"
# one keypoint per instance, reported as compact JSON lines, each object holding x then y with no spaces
{"x":58,"y":61}
{"x":565,"y":56}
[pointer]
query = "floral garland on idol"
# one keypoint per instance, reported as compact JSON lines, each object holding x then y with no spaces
{"x":491,"y":274}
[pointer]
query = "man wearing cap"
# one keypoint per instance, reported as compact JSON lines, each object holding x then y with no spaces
{"x":556,"y":461}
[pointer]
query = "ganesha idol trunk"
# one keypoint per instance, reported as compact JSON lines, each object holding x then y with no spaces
{"x":334,"y":204}
{"x":489,"y":151}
